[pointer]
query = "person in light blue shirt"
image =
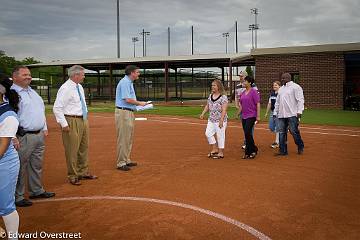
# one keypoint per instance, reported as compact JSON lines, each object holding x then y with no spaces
{"x":126,"y":103}
{"x":125,"y":90}
{"x":31,"y":138}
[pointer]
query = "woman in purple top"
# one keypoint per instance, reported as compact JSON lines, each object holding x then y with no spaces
{"x":249,"y":106}
{"x":217,"y":106}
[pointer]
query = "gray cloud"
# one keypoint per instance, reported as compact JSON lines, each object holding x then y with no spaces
{"x":67,"y":29}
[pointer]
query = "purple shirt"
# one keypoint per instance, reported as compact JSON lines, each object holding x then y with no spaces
{"x":248,"y":103}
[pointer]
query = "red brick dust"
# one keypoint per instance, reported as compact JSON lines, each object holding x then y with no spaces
{"x":311,"y":196}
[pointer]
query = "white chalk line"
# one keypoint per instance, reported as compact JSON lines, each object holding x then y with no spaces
{"x":243,"y":226}
{"x":302,"y":127}
{"x":260,"y":128}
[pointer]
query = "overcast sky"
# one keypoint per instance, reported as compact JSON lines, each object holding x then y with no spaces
{"x":78,"y":29}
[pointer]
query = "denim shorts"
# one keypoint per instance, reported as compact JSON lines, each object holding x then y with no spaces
{"x":273,"y":123}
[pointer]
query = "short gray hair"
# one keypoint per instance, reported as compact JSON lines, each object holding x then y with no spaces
{"x":76,"y":69}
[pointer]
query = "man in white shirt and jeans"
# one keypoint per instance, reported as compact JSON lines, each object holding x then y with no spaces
{"x":289,"y":106}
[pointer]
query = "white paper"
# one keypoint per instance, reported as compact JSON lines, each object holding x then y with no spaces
{"x":146,"y":107}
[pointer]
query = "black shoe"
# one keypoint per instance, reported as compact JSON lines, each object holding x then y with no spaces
{"x":279,"y":154}
{"x":44,"y":195}
{"x":24,"y":203}
{"x":123,"y":168}
{"x":300,"y":151}
{"x":131,"y":164}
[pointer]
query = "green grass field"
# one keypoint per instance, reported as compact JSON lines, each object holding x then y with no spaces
{"x":310,"y":116}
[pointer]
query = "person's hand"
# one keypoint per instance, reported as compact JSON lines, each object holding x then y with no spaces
{"x":202,"y":116}
{"x":16,"y":143}
{"x":221,"y":123}
{"x":46,"y":133}
{"x":258,"y":118}
{"x":65,"y":129}
{"x":298,"y":115}
{"x":142,"y":103}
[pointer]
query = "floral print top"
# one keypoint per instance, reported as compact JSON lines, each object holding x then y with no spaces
{"x":215,"y":108}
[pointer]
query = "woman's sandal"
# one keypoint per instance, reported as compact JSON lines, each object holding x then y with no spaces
{"x":217,"y":156}
{"x":253,"y":155}
{"x":211,"y":154}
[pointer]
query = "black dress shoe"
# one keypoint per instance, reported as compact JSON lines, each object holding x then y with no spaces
{"x":279,"y":154}
{"x":131,"y":164}
{"x":300,"y":151}
{"x":23,"y":203}
{"x":123,"y":168}
{"x":43,"y":195}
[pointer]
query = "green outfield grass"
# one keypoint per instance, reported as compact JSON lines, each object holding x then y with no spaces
{"x":310,"y":116}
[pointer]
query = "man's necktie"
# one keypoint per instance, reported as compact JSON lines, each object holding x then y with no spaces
{"x":83,"y":106}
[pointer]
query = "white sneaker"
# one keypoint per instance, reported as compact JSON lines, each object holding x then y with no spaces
{"x":243,"y":146}
{"x":274,"y":145}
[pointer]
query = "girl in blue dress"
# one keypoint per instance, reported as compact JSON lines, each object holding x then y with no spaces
{"x":9,"y":159}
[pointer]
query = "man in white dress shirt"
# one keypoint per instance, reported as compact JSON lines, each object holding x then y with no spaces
{"x":289,"y":106}
{"x":71,"y":113}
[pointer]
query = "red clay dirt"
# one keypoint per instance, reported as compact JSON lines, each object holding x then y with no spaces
{"x":312,"y":196}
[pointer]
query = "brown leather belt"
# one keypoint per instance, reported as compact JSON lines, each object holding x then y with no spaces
{"x":73,"y":116}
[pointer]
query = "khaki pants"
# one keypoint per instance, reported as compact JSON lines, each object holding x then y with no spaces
{"x":124,"y":121}
{"x":76,"y":143}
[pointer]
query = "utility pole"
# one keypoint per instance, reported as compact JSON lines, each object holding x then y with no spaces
{"x":118,"y":27}
{"x":134,"y":40}
{"x":192,"y":40}
{"x":168,"y":41}
{"x":226,"y":35}
{"x":236,"y":37}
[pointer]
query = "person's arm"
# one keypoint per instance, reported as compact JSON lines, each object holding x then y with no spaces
{"x":4,"y":144}
{"x":258,"y":111}
{"x":135,"y":102}
{"x":223,"y":114}
{"x":256,"y":97}
{"x":268,"y":108}
{"x":58,"y":109}
{"x":299,"y":95}
{"x":206,"y":109}
{"x":277,"y":102}
{"x":236,"y":100}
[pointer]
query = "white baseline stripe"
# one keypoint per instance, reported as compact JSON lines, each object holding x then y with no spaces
{"x":313,"y":128}
{"x":203,"y":124}
{"x":249,"y":229}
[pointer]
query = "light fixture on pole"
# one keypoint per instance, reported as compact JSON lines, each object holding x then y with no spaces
{"x":134,"y":40}
{"x":144,"y":34}
{"x":226,"y":35}
{"x":253,"y":27}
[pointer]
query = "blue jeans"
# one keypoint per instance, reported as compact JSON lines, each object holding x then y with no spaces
{"x":293,"y":124}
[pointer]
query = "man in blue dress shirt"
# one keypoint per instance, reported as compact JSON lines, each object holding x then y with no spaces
{"x":126,"y":103}
{"x":31,"y":138}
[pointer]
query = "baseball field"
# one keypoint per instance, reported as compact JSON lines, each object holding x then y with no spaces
{"x":177,"y":192}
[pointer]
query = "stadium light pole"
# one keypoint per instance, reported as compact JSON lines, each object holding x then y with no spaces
{"x":134,"y":40}
{"x":253,"y":27}
{"x":255,"y":11}
{"x":226,"y":35}
{"x":118,"y":26}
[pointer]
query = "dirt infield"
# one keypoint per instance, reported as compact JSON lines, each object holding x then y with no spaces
{"x":176,"y":192}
